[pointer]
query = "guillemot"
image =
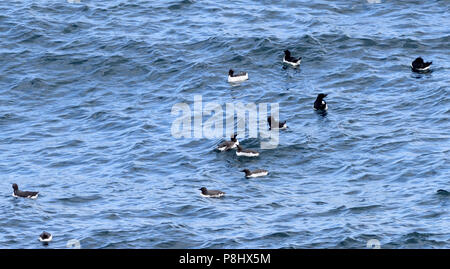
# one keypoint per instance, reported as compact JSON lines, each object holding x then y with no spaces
{"x":281,"y":125}
{"x":45,"y":237}
{"x":288,"y":59}
{"x":227,"y":145}
{"x":211,"y":193}
{"x":255,"y":173}
{"x":418,"y":65}
{"x":24,"y":194}
{"x":237,"y":77}
{"x":320,"y":104}
{"x":246,"y":152}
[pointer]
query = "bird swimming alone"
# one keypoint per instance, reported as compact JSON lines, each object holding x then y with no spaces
{"x":255,"y":173}
{"x":281,"y":125}
{"x":237,"y":77}
{"x":418,"y":65}
{"x":211,"y":193}
{"x":246,"y":152}
{"x":288,"y":59}
{"x":45,"y":237}
{"x":227,"y":145}
{"x":320,"y":104}
{"x":24,"y":194}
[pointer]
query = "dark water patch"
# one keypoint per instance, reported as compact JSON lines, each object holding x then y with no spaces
{"x":80,"y":199}
{"x":443,"y":192}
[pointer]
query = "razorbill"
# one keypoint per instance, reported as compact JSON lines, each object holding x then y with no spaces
{"x":320,"y":104}
{"x":45,"y":237}
{"x":418,"y":65}
{"x":211,"y":193}
{"x":255,"y":173}
{"x":237,"y":77}
{"x":246,"y":152}
{"x":281,"y":125}
{"x":227,"y":145}
{"x":288,"y":59}
{"x":24,"y":194}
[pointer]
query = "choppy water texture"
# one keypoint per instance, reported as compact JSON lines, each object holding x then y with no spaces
{"x":86,"y":92}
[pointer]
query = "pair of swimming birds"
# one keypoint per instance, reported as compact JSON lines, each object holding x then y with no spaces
{"x":234,"y":143}
{"x":248,"y":174}
{"x":242,"y":76}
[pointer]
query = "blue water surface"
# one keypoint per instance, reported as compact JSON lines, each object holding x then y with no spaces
{"x":86,"y":94}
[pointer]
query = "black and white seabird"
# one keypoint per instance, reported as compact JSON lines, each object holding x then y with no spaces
{"x":255,"y":173}
{"x":45,"y":237}
{"x":288,"y":59}
{"x":320,"y":104}
{"x":227,"y":145}
{"x":246,"y":152}
{"x":418,"y":65}
{"x":24,"y":194}
{"x":281,"y":125}
{"x":232,"y":77}
{"x":211,"y":193}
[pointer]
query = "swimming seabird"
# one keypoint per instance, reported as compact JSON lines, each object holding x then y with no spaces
{"x":281,"y":125}
{"x":255,"y":173}
{"x":24,"y":194}
{"x":246,"y":152}
{"x":237,"y":77}
{"x":227,"y":145}
{"x":211,"y":193}
{"x":45,"y":237}
{"x":418,"y":65}
{"x":288,"y":59}
{"x":320,"y":104}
